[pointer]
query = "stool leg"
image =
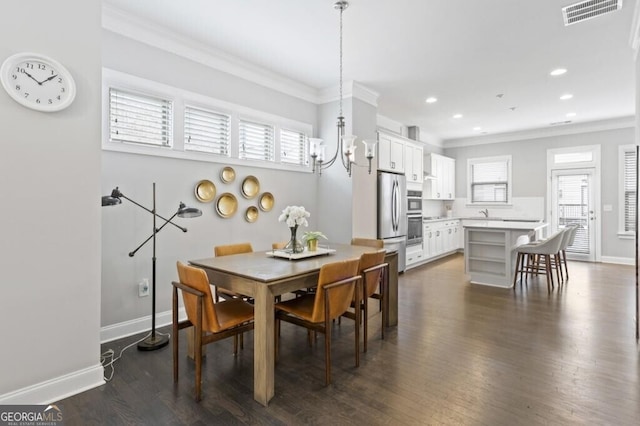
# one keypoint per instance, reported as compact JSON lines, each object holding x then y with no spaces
{"x":515,"y":275}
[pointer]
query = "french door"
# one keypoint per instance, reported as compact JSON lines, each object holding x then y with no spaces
{"x":573,"y":202}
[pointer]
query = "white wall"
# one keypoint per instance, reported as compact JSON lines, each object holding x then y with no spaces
{"x":530,"y":167}
{"x":50,"y":185}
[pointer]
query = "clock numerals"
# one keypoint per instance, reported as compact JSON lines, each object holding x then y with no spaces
{"x":18,"y":87}
{"x":26,"y":94}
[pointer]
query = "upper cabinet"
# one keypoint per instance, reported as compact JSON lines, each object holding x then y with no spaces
{"x":390,"y":153}
{"x":413,"y":165}
{"x":441,"y":181}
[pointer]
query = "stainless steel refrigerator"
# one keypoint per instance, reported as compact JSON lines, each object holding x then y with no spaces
{"x":392,"y":214}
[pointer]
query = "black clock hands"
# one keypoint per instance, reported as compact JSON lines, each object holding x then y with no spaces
{"x":31,"y":77}
{"x":50,"y":78}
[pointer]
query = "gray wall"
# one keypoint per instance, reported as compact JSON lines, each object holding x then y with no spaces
{"x":50,"y":184}
{"x":125,"y":226}
{"x":530,"y":167}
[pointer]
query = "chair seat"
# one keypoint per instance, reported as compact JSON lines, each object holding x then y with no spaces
{"x":233,"y":312}
{"x":301,"y":307}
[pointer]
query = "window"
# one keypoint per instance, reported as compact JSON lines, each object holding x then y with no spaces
{"x":293,"y":147}
{"x":206,"y":131}
{"x":139,"y":118}
{"x":628,"y":174}
{"x":256,"y":141}
{"x":489,"y":180}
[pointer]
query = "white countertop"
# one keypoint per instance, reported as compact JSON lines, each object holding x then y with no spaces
{"x":491,"y":224}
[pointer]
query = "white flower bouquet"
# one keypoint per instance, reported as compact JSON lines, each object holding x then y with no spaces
{"x":294,"y":216}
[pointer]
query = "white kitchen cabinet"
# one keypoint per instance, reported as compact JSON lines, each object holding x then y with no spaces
{"x":415,"y":254}
{"x":429,"y":240}
{"x":413,"y":164}
{"x":390,"y":153}
{"x":441,"y":238}
{"x":442,"y":181}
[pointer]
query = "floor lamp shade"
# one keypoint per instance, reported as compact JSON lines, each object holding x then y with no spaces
{"x":154,"y":340}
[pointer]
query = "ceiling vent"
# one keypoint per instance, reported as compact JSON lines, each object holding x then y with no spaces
{"x":589,"y":9}
{"x":558,"y":123}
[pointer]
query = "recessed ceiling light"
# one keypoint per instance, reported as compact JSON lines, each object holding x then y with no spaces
{"x":431,"y":100}
{"x":571,"y":114}
{"x":557,"y":72}
{"x":566,"y":97}
{"x":457,"y":116}
{"x":477,"y":128}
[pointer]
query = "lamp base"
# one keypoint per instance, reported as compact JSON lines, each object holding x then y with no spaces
{"x":153,"y":343}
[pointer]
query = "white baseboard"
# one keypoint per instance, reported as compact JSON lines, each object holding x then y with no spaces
{"x":135,"y":326}
{"x":57,"y":388}
{"x":617,"y":260}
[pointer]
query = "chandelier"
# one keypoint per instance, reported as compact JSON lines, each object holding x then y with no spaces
{"x":345,"y":146}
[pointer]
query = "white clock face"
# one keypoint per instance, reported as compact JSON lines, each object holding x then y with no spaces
{"x":38,"y":82}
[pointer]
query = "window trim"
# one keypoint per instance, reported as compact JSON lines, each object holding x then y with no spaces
{"x":180,"y":98}
{"x":479,"y":160}
{"x":622,"y":150}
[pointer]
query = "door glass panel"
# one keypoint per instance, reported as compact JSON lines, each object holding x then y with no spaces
{"x":573,"y":208}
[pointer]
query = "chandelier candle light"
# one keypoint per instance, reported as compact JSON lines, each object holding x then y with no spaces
{"x":345,"y":146}
{"x":294,"y":216}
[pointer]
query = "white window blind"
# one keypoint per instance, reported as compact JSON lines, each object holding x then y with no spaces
{"x":293,"y":147}
{"x":630,"y":178}
{"x":256,"y":141}
{"x":206,"y":131}
{"x":139,"y":118}
{"x":490,"y":181}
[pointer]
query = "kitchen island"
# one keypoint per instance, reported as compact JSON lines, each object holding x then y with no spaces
{"x":489,"y":255}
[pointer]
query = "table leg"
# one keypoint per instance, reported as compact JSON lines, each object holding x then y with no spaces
{"x":263,"y":356}
{"x":392,"y":293}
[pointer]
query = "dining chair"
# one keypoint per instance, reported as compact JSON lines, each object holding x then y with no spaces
{"x":278,"y":246}
{"x":212,"y":321}
{"x":374,"y":277}
{"x":337,"y":285}
{"x":228,"y":250}
{"x":528,"y":258}
{"x":368,"y":242}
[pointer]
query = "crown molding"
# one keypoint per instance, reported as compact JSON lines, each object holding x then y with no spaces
{"x":117,"y":21}
{"x":571,"y":129}
{"x":350,"y":89}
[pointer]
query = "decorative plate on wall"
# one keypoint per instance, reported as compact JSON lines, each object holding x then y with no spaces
{"x":266,"y":202}
{"x":227,"y":174}
{"x":251,"y":215}
{"x":250,"y":187}
{"x":205,"y":191}
{"x":227,"y":205}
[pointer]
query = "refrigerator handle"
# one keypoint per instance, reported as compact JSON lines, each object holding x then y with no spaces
{"x":393,"y":206}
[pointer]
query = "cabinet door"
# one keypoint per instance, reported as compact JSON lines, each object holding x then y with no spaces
{"x":413,"y":163}
{"x":427,"y":238}
{"x":397,"y":156}
{"x":439,"y":241}
{"x":384,"y":153}
{"x":417,"y":164}
{"x":449,"y":178}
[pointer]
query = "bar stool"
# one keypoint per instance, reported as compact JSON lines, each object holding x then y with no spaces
{"x":572,"y":230}
{"x":544,"y":249}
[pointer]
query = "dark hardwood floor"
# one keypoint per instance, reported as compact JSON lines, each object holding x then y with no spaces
{"x":462,"y":354}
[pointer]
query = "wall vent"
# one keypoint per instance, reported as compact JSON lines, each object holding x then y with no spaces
{"x":589,"y":9}
{"x":558,"y":123}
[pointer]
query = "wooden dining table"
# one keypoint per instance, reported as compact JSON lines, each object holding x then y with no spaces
{"x":262,"y":276}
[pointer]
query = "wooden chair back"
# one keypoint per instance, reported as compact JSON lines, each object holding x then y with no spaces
{"x":278,"y":246}
{"x":371,"y":276}
{"x":368,"y":242}
{"x":230,"y":249}
{"x":196,"y":279}
{"x":340,"y":296}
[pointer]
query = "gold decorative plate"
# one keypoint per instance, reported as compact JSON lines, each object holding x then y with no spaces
{"x":205,"y":191}
{"x":227,"y":174}
{"x":226,"y":205}
{"x":251,"y":215}
{"x":266,"y":202}
{"x":250,"y":187}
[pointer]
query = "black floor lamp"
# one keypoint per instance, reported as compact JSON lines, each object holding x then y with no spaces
{"x":154,"y":341}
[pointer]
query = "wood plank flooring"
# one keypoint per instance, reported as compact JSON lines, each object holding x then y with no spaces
{"x":462,"y":354}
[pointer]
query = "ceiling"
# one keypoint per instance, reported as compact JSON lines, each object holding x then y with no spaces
{"x":465,"y":53}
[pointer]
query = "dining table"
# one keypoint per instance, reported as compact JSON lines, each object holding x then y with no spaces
{"x":263,"y":276}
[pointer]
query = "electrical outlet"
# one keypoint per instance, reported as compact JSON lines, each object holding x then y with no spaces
{"x":143,"y":288}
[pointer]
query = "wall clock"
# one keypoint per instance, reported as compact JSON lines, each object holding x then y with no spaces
{"x":37,"y":82}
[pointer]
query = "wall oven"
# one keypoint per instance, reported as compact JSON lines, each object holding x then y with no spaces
{"x":414,"y":229}
{"x":414,"y":202}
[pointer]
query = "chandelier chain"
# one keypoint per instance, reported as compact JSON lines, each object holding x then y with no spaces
{"x":341,"y":10}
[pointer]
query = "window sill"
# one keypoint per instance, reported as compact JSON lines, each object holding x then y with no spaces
{"x":626,"y":235}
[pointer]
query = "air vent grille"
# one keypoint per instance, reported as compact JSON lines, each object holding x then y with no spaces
{"x":557,"y":123}
{"x":589,"y":9}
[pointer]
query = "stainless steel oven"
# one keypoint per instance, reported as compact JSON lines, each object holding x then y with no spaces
{"x":414,"y":202}
{"x":414,"y":229}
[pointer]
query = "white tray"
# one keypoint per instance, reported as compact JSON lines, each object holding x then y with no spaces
{"x":285,"y":254}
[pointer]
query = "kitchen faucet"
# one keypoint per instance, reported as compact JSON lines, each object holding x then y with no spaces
{"x":485,"y":212}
